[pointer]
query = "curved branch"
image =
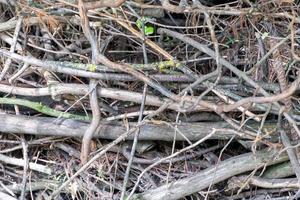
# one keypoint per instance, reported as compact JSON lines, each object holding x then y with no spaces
{"x":270,"y":99}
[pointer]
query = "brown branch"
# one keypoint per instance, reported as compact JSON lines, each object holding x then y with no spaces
{"x":103,"y":4}
{"x":102,"y":59}
{"x":270,"y":99}
{"x":149,"y":42}
{"x":170,"y":7}
{"x":88,"y":134}
{"x":228,"y":65}
{"x":98,"y":57}
{"x":86,"y":140}
{"x":220,"y":11}
{"x":278,"y":65}
{"x":102,"y":151}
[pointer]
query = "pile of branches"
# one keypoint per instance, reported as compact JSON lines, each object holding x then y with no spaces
{"x":149,"y":99}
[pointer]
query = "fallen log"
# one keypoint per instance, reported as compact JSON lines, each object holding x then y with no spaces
{"x":112,"y":130}
{"x":212,"y":175}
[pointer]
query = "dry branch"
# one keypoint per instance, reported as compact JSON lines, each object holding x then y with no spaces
{"x":222,"y":171}
{"x":20,"y":162}
{"x":210,"y":81}
{"x":112,"y":130}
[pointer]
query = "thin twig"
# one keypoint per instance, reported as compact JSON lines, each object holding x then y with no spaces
{"x":137,"y":132}
{"x":12,"y":47}
{"x":167,"y":158}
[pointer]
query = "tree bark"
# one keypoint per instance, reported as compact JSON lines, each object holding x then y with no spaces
{"x":112,"y":130}
{"x":224,"y":170}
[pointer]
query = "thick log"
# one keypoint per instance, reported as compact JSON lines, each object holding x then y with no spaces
{"x":215,"y":174}
{"x":111,"y":130}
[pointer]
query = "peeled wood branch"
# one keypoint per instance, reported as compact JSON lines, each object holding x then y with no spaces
{"x":242,"y":181}
{"x":41,"y":184}
{"x":20,"y":162}
{"x":275,"y":183}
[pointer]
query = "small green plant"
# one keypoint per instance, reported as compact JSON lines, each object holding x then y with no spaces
{"x":142,"y":23}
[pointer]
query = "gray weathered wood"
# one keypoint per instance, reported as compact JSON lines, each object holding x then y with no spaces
{"x":109,"y":130}
{"x":203,"y":179}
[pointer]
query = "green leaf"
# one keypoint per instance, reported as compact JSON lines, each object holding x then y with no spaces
{"x":141,"y":22}
{"x":149,"y":30}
